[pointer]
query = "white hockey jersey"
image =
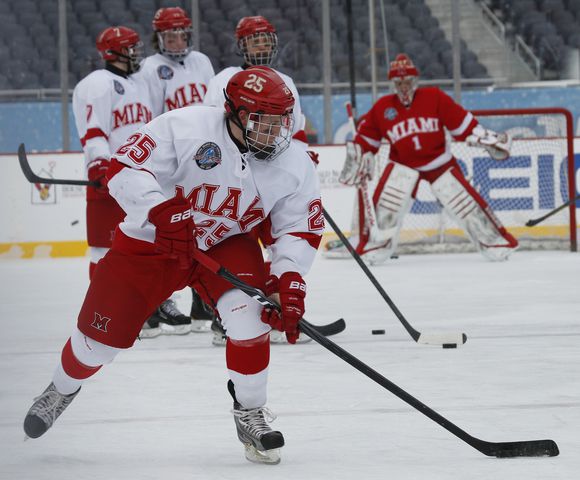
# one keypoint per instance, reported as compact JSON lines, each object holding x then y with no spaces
{"x":190,"y":149}
{"x":108,"y":108}
{"x":215,"y":93}
{"x":176,"y":84}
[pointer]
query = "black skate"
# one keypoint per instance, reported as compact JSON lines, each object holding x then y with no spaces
{"x":201,"y":314}
{"x":171,"y":320}
{"x":45,"y":410}
{"x":151,"y":328}
{"x":219,"y":333}
{"x":261,"y":443}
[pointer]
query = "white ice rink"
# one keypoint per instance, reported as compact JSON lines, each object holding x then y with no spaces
{"x":161,"y":410}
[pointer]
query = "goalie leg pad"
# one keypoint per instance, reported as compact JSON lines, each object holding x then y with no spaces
{"x":391,"y":200}
{"x":473,"y":214}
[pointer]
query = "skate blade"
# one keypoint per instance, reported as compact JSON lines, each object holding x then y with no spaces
{"x":279,"y":338}
{"x":149,"y":333}
{"x":343,"y":255}
{"x":268,"y":457}
{"x":174,"y":329}
{"x":200,"y":326}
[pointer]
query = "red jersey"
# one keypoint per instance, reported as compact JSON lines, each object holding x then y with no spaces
{"x":416,"y":134}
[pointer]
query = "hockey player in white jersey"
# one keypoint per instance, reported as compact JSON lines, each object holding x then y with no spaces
{"x":177,"y":76}
{"x":196,"y":179}
{"x":108,"y":105}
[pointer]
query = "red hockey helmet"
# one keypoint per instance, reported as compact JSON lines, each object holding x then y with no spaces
{"x":405,"y":78}
{"x":260,"y":103}
{"x":174,"y":34}
{"x":121,"y":44}
{"x":257,"y":40}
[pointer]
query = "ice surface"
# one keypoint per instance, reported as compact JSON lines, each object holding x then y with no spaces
{"x":161,"y":410}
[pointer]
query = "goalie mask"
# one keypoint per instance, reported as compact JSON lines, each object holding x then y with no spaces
{"x":121,"y":44}
{"x":173,"y":33}
{"x":405,"y":77}
{"x":259,"y":102}
{"x":257,"y":41}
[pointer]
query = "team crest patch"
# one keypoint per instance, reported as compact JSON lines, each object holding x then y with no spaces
{"x":118,"y":87}
{"x":390,"y":113}
{"x":208,"y":156}
{"x":100,"y":322}
{"x":165,"y":72}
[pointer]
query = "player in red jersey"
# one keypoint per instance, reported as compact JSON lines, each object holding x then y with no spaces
{"x":414,"y":122}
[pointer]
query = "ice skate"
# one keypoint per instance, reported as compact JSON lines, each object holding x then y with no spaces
{"x":201,"y":314}
{"x":171,"y":320}
{"x":150,"y":328}
{"x":219,"y":334}
{"x":277,"y":337}
{"x":45,"y":410}
{"x":335,"y":249}
{"x":261,"y":443}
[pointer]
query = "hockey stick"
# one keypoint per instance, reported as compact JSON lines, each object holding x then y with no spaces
{"x":34,"y":178}
{"x":445,"y":340}
{"x":327,"y":330}
{"x":529,"y":448}
{"x":533,"y":222}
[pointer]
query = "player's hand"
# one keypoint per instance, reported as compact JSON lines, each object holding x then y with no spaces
{"x":291,"y":289}
{"x":175,"y":229}
{"x":96,"y":173}
{"x":498,"y":145}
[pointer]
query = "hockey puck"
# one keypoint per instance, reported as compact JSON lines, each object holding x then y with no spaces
{"x":378,"y":332}
{"x":449,"y":345}
{"x":74,"y":222}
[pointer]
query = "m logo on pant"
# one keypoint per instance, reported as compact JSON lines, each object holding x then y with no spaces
{"x":100,"y":322}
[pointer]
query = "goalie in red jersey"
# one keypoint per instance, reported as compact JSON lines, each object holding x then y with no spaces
{"x":413,"y":121}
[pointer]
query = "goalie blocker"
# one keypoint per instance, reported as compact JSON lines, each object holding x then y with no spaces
{"x":415,"y":122}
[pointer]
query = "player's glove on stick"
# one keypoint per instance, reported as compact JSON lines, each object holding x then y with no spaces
{"x":497,"y":144}
{"x":175,"y":229}
{"x":357,"y":166}
{"x":292,"y":290}
{"x":96,"y":173}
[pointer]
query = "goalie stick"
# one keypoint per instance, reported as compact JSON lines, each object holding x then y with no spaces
{"x":327,"y":330}
{"x":527,"y":448}
{"x":535,"y":221}
{"x":445,"y":340}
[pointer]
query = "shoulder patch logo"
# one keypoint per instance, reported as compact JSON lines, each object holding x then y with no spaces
{"x":164,"y":72}
{"x":118,"y":87}
{"x":391,"y":113}
{"x":208,"y":156}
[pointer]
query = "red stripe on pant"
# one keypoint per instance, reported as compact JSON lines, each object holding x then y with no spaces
{"x":248,"y":357}
{"x":73,"y":367}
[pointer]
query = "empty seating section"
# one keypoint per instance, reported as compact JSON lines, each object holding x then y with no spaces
{"x":549,"y":27}
{"x":29,"y":37}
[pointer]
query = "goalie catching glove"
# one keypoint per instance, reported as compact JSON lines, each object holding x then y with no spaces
{"x":291,"y":290}
{"x":497,"y":144}
{"x":175,"y":229}
{"x":357,"y":166}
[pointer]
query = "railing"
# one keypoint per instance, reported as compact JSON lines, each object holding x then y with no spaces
{"x":495,"y":24}
{"x":528,"y":56}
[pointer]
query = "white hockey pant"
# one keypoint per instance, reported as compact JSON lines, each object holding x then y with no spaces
{"x":473,"y":215}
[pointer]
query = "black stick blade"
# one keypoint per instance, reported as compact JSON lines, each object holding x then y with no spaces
{"x":531,"y":223}
{"x":531,"y":448}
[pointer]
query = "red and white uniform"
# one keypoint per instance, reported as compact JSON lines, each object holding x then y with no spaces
{"x":107,"y":108}
{"x":416,"y":134}
{"x":177,"y":84}
{"x":215,"y":97}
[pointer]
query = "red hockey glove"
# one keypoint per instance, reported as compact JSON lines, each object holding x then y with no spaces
{"x":96,"y":173}
{"x":292,"y":290}
{"x":175,"y":229}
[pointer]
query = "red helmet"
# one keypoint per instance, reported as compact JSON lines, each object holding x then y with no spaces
{"x":402,"y":66}
{"x":257,"y":40}
{"x":170,"y":18}
{"x":174,"y":36}
{"x":112,"y":41}
{"x":405,"y":78}
{"x":267,"y":102}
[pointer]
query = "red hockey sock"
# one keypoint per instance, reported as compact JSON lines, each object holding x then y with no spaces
{"x":248,"y":356}
{"x":73,"y":367}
